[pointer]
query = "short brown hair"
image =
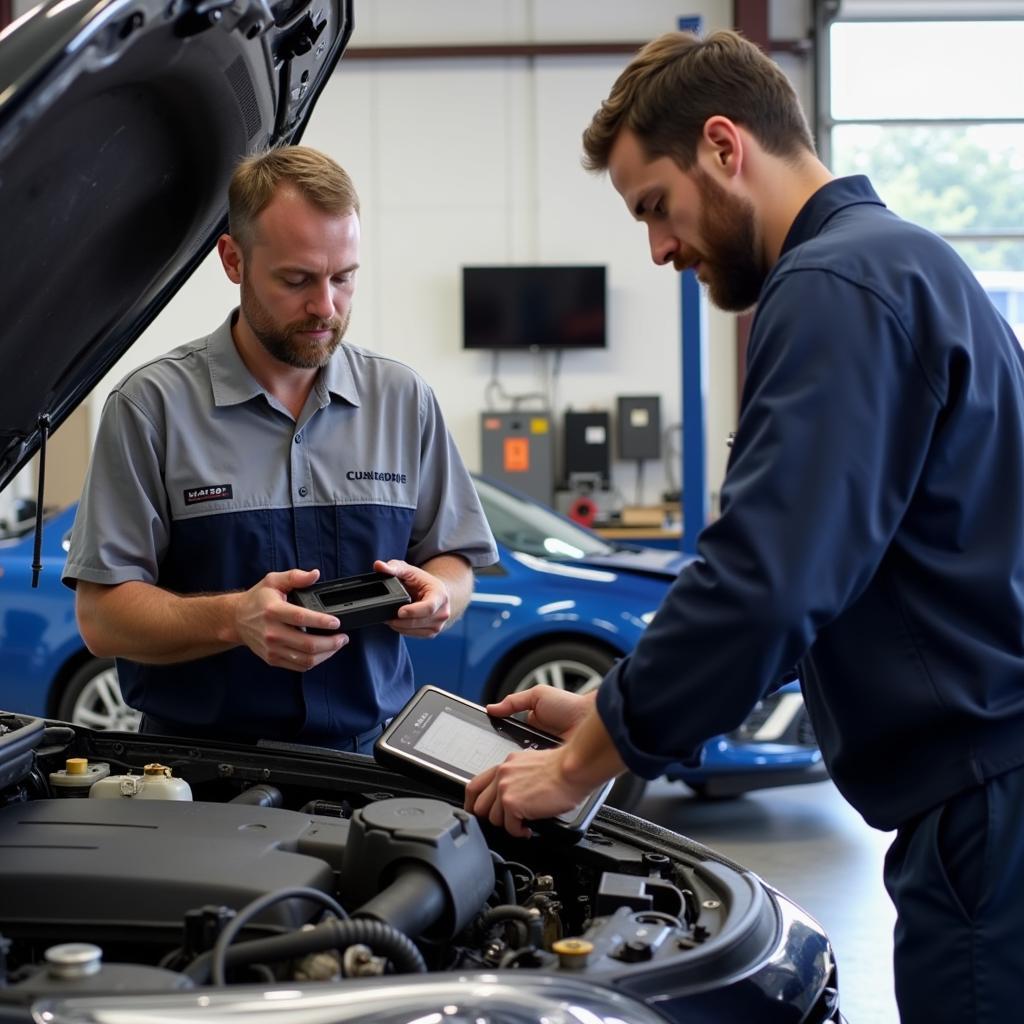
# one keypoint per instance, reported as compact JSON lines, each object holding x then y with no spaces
{"x":677,"y":81}
{"x":256,"y":179}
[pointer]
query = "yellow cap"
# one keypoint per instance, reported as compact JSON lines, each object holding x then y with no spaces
{"x":157,"y":769}
{"x":572,"y":952}
{"x":77,"y":765}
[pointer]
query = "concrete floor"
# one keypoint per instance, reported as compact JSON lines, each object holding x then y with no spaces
{"x":811,"y":845}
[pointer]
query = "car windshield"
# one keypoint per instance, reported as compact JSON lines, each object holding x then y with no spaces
{"x":524,"y":525}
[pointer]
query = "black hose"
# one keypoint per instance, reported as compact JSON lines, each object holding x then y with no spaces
{"x":528,"y":877}
{"x":330,"y":934}
{"x":414,"y":901}
{"x":328,"y":808}
{"x":58,"y":735}
{"x":509,"y":882}
{"x":260,"y":795}
{"x":250,"y":910}
{"x":522,"y":915}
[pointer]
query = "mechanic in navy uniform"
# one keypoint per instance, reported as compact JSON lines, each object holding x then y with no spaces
{"x":257,"y":460}
{"x":872,"y":521}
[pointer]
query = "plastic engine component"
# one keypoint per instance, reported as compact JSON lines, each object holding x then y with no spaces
{"x":423,"y":838}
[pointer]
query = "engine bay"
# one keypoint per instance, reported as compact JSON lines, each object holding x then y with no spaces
{"x":273,"y":864}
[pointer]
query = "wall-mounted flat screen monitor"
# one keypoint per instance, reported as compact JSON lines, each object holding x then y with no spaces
{"x":506,"y":307}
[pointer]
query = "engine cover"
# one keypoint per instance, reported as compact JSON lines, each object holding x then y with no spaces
{"x":128,"y":870}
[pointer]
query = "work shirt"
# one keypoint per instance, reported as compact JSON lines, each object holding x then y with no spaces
{"x":872,"y":526}
{"x":202,"y":482}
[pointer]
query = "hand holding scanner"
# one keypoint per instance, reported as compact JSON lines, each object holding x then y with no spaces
{"x":448,"y":740}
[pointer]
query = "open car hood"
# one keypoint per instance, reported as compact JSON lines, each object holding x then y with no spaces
{"x":120,"y":124}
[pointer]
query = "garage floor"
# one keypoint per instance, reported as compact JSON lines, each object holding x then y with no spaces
{"x":811,"y":845}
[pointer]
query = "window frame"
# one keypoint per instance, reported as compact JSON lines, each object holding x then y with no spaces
{"x":829,"y":12}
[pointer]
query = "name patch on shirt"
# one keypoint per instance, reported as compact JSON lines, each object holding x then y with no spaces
{"x":214,"y":492}
{"x":375,"y":474}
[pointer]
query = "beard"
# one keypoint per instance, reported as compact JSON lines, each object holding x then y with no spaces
{"x":283,"y":341}
{"x":730,"y":266}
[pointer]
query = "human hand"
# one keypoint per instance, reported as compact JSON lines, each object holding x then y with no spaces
{"x":431,"y":607}
{"x":275,"y":630}
{"x":555,"y":711}
{"x":527,"y":786}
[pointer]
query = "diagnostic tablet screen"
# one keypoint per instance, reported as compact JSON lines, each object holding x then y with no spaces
{"x":443,"y":736}
{"x":467,"y":748}
{"x":440,"y":730}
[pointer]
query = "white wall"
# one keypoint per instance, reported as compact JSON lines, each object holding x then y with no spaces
{"x":462,"y":161}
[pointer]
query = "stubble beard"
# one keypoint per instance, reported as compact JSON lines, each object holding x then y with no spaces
{"x":285,"y":343}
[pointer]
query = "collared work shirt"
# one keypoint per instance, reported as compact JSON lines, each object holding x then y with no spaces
{"x":203,"y":482}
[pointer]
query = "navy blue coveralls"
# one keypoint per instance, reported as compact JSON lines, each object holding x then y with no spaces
{"x":872,"y":531}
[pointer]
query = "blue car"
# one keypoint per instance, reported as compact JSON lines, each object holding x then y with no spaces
{"x":559,"y":607}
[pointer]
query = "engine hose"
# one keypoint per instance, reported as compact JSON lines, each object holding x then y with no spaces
{"x":415,"y":900}
{"x":382,"y":939}
{"x":510,"y":912}
{"x":507,"y":881}
{"x":260,"y":795}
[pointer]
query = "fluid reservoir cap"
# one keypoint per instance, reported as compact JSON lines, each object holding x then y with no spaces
{"x":573,"y":953}
{"x":73,"y":960}
{"x":157,"y":769}
{"x":78,"y":775}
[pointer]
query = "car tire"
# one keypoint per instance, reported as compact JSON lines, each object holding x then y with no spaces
{"x":578,"y":667}
{"x":92,"y":698}
{"x":566,"y":665}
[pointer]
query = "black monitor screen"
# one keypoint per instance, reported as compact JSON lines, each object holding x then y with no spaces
{"x":533,"y":307}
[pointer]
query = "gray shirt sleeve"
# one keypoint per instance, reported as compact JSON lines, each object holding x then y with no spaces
{"x":122,"y":526}
{"x":449,"y":518}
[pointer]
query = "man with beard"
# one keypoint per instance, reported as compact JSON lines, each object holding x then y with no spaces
{"x":255,"y":461}
{"x":871,"y":518}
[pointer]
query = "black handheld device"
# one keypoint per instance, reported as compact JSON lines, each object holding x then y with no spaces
{"x":356,"y":600}
{"x":448,"y":740}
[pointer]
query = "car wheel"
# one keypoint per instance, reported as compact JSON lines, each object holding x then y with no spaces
{"x":93,"y":699}
{"x":577,"y":667}
{"x":565,"y":666}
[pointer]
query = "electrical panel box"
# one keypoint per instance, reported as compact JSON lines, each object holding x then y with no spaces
{"x":588,"y":446}
{"x":517,"y":449}
{"x":639,"y":427}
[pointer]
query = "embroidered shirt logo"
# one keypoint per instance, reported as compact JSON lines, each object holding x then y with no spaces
{"x":215,"y":492}
{"x":373,"y":474}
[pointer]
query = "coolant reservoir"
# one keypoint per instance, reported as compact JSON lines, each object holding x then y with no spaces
{"x":156,"y":783}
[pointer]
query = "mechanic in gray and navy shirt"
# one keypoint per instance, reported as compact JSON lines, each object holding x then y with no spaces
{"x":257,"y":460}
{"x":872,"y":524}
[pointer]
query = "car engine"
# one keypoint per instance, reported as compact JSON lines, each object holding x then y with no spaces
{"x":217,"y":866}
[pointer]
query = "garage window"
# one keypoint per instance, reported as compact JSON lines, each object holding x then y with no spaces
{"x":932,"y":110}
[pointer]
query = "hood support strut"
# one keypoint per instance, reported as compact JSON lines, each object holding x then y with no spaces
{"x":37,"y":565}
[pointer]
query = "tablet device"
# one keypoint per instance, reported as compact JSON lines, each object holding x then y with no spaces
{"x":361,"y":600}
{"x":448,"y":740}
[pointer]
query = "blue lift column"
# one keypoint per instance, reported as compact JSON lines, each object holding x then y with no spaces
{"x":693,"y":475}
{"x":694,"y":392}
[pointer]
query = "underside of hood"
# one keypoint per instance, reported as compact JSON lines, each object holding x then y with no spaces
{"x":120,"y":124}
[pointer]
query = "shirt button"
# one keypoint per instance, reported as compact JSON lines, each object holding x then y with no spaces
{"x":298,"y":439}
{"x":303,"y":491}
